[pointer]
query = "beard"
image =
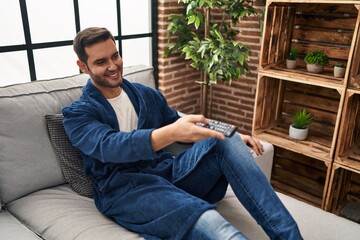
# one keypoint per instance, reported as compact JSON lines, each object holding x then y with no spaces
{"x":104,"y":82}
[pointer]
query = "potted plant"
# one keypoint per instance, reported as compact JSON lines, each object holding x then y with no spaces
{"x":300,"y":122}
{"x":339,"y":70}
{"x":291,"y":59}
{"x":315,"y":61}
{"x":210,"y":43}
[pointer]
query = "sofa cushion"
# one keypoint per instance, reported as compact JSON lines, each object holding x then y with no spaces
{"x":69,"y":158}
{"x":60,"y":213}
{"x":27,"y":160}
{"x":314,"y":223}
{"x":12,"y":229}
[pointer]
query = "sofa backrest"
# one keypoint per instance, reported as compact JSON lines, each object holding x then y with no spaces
{"x":27,"y":160}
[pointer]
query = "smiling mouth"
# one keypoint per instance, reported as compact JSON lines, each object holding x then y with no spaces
{"x":114,"y":75}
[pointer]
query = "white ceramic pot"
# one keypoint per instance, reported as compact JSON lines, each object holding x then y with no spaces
{"x":290,"y":64}
{"x":339,"y":72}
{"x":297,"y":133}
{"x":314,"y":68}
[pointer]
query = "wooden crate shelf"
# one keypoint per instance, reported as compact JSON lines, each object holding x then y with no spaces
{"x":324,"y":169}
{"x":330,"y":27}
{"x":348,"y":148}
{"x":300,"y":176}
{"x":277,"y":100}
{"x":344,"y":187}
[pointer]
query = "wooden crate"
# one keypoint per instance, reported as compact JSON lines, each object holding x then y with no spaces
{"x":309,"y":25}
{"x":354,"y":79}
{"x":344,"y":187}
{"x":300,"y":176}
{"x":277,"y":100}
{"x":348,"y":147}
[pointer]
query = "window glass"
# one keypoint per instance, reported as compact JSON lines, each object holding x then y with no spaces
{"x":51,"y":20}
{"x":14,"y":68}
{"x":135,"y":22}
{"x":11,"y":26}
{"x":136,"y":51}
{"x":98,"y":14}
{"x":55,"y":62}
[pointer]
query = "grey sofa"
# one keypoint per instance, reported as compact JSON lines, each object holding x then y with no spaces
{"x":37,"y":203}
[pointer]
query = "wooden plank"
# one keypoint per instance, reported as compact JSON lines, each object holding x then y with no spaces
{"x":336,"y":52}
{"x":309,"y":147}
{"x":296,"y":193}
{"x":310,"y":100}
{"x":305,"y":160}
{"x":334,"y":37}
{"x":301,"y":76}
{"x":329,"y":22}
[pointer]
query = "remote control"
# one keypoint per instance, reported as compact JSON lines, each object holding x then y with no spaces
{"x":227,"y":129}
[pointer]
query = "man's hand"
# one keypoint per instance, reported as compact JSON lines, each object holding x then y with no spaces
{"x":254,"y":144}
{"x":183,"y":130}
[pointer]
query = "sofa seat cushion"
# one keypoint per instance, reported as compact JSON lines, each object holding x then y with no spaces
{"x":12,"y":229}
{"x":60,"y":213}
{"x":314,"y":223}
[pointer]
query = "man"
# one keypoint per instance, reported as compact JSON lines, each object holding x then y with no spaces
{"x":122,"y":128}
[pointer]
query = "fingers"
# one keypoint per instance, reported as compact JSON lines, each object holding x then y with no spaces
{"x":254,"y":144}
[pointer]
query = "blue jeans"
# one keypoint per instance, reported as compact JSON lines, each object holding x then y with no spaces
{"x":230,"y":161}
{"x":212,"y":226}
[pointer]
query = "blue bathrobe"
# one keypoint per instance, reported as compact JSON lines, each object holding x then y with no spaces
{"x":133,"y":184}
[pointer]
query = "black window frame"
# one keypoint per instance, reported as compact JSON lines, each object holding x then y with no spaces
{"x":29,"y":47}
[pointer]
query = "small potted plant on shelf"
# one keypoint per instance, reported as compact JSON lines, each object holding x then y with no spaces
{"x":299,"y":128}
{"x":339,"y":70}
{"x":315,"y":61}
{"x":291,"y":59}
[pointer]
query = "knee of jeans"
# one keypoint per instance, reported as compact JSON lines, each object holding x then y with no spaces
{"x":211,"y":225}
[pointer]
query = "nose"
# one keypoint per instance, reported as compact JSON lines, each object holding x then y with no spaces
{"x":112,"y":66}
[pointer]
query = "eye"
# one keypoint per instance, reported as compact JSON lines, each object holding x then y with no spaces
{"x":115,"y":56}
{"x":99,"y":62}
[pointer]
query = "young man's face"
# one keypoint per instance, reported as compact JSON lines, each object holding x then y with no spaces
{"x":104,"y":65}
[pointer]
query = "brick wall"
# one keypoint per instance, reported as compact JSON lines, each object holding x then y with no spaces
{"x":231,"y":103}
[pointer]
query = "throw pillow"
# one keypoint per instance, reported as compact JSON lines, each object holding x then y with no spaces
{"x":69,"y":157}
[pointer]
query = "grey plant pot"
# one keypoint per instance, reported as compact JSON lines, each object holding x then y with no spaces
{"x":297,"y":133}
{"x":339,"y":72}
{"x":290,"y":64}
{"x":314,"y":68}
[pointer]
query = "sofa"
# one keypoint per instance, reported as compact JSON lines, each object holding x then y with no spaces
{"x":39,"y":202}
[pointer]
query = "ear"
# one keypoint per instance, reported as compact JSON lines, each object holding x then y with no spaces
{"x":82,"y":66}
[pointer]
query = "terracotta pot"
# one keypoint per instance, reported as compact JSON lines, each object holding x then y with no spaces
{"x":314,"y":68}
{"x":290,"y":64}
{"x":339,"y":72}
{"x":298,"y":133}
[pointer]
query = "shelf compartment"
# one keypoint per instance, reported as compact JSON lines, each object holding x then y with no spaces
{"x":348,"y":149}
{"x":344,"y":188}
{"x":300,"y":176}
{"x":330,"y":27}
{"x":277,"y":100}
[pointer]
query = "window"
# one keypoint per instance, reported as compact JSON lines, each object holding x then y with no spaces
{"x":36,"y":36}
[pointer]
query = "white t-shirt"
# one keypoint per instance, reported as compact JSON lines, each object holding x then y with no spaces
{"x":125,"y":112}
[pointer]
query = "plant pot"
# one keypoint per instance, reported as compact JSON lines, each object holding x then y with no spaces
{"x":290,"y":64}
{"x":298,"y":133}
{"x":314,"y":68}
{"x":339,"y":72}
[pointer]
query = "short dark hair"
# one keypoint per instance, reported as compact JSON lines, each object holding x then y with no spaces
{"x":88,"y":37}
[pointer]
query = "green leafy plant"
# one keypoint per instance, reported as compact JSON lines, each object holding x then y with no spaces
{"x":301,"y":119}
{"x":316,"y":57}
{"x":340,"y":65}
{"x":293,"y":53}
{"x":209,"y":43}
